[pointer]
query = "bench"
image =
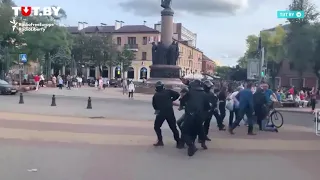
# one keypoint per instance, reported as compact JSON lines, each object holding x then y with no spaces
{"x":289,"y":104}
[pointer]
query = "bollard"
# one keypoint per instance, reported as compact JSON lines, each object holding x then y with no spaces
{"x":53,"y":102}
{"x":21,"y":101}
{"x":89,"y":106}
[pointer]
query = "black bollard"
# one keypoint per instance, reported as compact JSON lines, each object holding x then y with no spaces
{"x":21,"y":101}
{"x":89,"y":106}
{"x":53,"y":102}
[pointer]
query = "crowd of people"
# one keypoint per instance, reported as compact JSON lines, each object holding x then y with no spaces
{"x":201,"y":101}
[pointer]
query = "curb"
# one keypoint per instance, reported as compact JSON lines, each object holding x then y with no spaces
{"x":294,"y":111}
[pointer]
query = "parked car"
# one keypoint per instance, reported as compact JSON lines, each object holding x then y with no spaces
{"x":6,"y":88}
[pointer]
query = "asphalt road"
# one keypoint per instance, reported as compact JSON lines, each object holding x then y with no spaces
{"x":99,"y":149}
{"x":125,"y":109}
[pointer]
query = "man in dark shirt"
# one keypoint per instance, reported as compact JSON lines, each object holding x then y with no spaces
{"x":162,"y":104}
{"x":245,"y":108}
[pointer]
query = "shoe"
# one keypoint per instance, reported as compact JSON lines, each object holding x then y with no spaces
{"x":222,"y":129}
{"x":251,"y":134}
{"x":230,"y":130}
{"x":159,"y":143}
{"x":180,"y":145}
{"x":207,"y":138}
{"x":192,"y":150}
{"x":204,"y":146}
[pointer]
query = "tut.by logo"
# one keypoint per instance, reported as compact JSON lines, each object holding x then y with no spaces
{"x":36,"y":11}
{"x":317,"y":120}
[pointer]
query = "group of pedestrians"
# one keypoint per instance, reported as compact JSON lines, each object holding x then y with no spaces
{"x":200,"y":102}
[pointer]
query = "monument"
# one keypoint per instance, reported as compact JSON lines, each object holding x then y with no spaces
{"x":165,"y":54}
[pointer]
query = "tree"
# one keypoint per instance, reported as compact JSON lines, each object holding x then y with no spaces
{"x":125,"y":59}
{"x":223,"y":71}
{"x":300,"y":41}
{"x":316,"y":53}
{"x":101,"y":51}
{"x":7,"y":36}
{"x":275,"y":52}
{"x":42,"y":46}
{"x":252,"y":43}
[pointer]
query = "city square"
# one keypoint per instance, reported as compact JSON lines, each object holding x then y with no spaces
{"x":81,"y":102}
{"x":70,"y":141}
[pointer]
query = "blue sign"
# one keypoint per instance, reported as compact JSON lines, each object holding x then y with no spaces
{"x":290,"y":14}
{"x":23,"y":58}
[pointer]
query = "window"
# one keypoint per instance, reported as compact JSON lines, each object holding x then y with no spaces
{"x":144,"y":40}
{"x":132,"y":40}
{"x":144,"y":55}
{"x":296,"y":82}
{"x":118,"y":40}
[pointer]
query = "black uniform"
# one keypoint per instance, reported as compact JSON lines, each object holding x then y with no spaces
{"x":162,"y":104}
{"x":184,"y":91}
{"x":196,"y":104}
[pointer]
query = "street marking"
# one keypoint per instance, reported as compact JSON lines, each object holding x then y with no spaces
{"x":108,"y":122}
{"x":138,"y":140}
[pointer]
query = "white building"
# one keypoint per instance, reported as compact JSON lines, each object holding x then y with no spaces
{"x":181,"y":33}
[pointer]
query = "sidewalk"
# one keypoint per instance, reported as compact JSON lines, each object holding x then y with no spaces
{"x":91,"y":92}
{"x":296,"y":109}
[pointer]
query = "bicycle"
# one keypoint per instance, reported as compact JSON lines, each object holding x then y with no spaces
{"x":276,"y":118}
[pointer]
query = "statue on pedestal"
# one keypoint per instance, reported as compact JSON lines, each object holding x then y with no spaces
{"x":166,"y":4}
{"x":161,"y":53}
{"x":173,"y":54}
{"x":154,"y":53}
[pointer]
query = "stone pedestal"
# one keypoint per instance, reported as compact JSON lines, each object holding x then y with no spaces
{"x":167,"y":26}
{"x":168,"y":74}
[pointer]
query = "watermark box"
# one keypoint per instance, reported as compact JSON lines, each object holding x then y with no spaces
{"x":290,"y":14}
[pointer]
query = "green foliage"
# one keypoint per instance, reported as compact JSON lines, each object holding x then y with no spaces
{"x":223,"y":71}
{"x":125,"y":59}
{"x":300,"y":41}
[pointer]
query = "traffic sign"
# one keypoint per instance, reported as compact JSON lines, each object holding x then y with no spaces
{"x":253,"y":70}
{"x":23,"y":58}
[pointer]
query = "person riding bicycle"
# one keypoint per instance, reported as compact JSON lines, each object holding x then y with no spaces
{"x":271,"y":97}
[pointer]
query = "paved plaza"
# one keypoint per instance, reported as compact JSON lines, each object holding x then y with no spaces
{"x":114,"y":141}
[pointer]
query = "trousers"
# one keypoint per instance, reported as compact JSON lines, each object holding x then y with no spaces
{"x":168,"y":116}
{"x":240,"y":116}
{"x":192,"y":127}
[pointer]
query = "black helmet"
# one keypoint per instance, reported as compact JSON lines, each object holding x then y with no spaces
{"x":196,"y":84}
{"x":159,"y":86}
{"x":184,"y":90}
{"x":208,"y":84}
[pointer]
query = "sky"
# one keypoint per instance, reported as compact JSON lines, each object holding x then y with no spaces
{"x":221,"y":25}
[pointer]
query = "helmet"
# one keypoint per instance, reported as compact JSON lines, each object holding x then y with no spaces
{"x":159,"y":86}
{"x":208,"y":84}
{"x":196,"y":84}
{"x":184,"y":90}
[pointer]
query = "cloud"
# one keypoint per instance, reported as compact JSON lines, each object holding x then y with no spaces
{"x":195,"y":7}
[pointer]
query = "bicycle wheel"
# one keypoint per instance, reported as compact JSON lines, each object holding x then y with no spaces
{"x":276,"y":119}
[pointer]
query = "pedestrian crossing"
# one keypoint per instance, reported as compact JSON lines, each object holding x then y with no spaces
{"x":73,"y":130}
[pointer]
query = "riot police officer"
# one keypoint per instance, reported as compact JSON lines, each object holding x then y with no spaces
{"x":162,"y":104}
{"x":213,"y":99}
{"x":196,"y":104}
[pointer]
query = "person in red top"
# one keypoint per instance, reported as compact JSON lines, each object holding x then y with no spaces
{"x":37,"y":80}
{"x":291,"y":90}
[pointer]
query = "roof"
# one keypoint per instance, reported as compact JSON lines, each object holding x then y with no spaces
{"x":285,"y":27}
{"x":111,"y":29}
{"x":204,"y":57}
